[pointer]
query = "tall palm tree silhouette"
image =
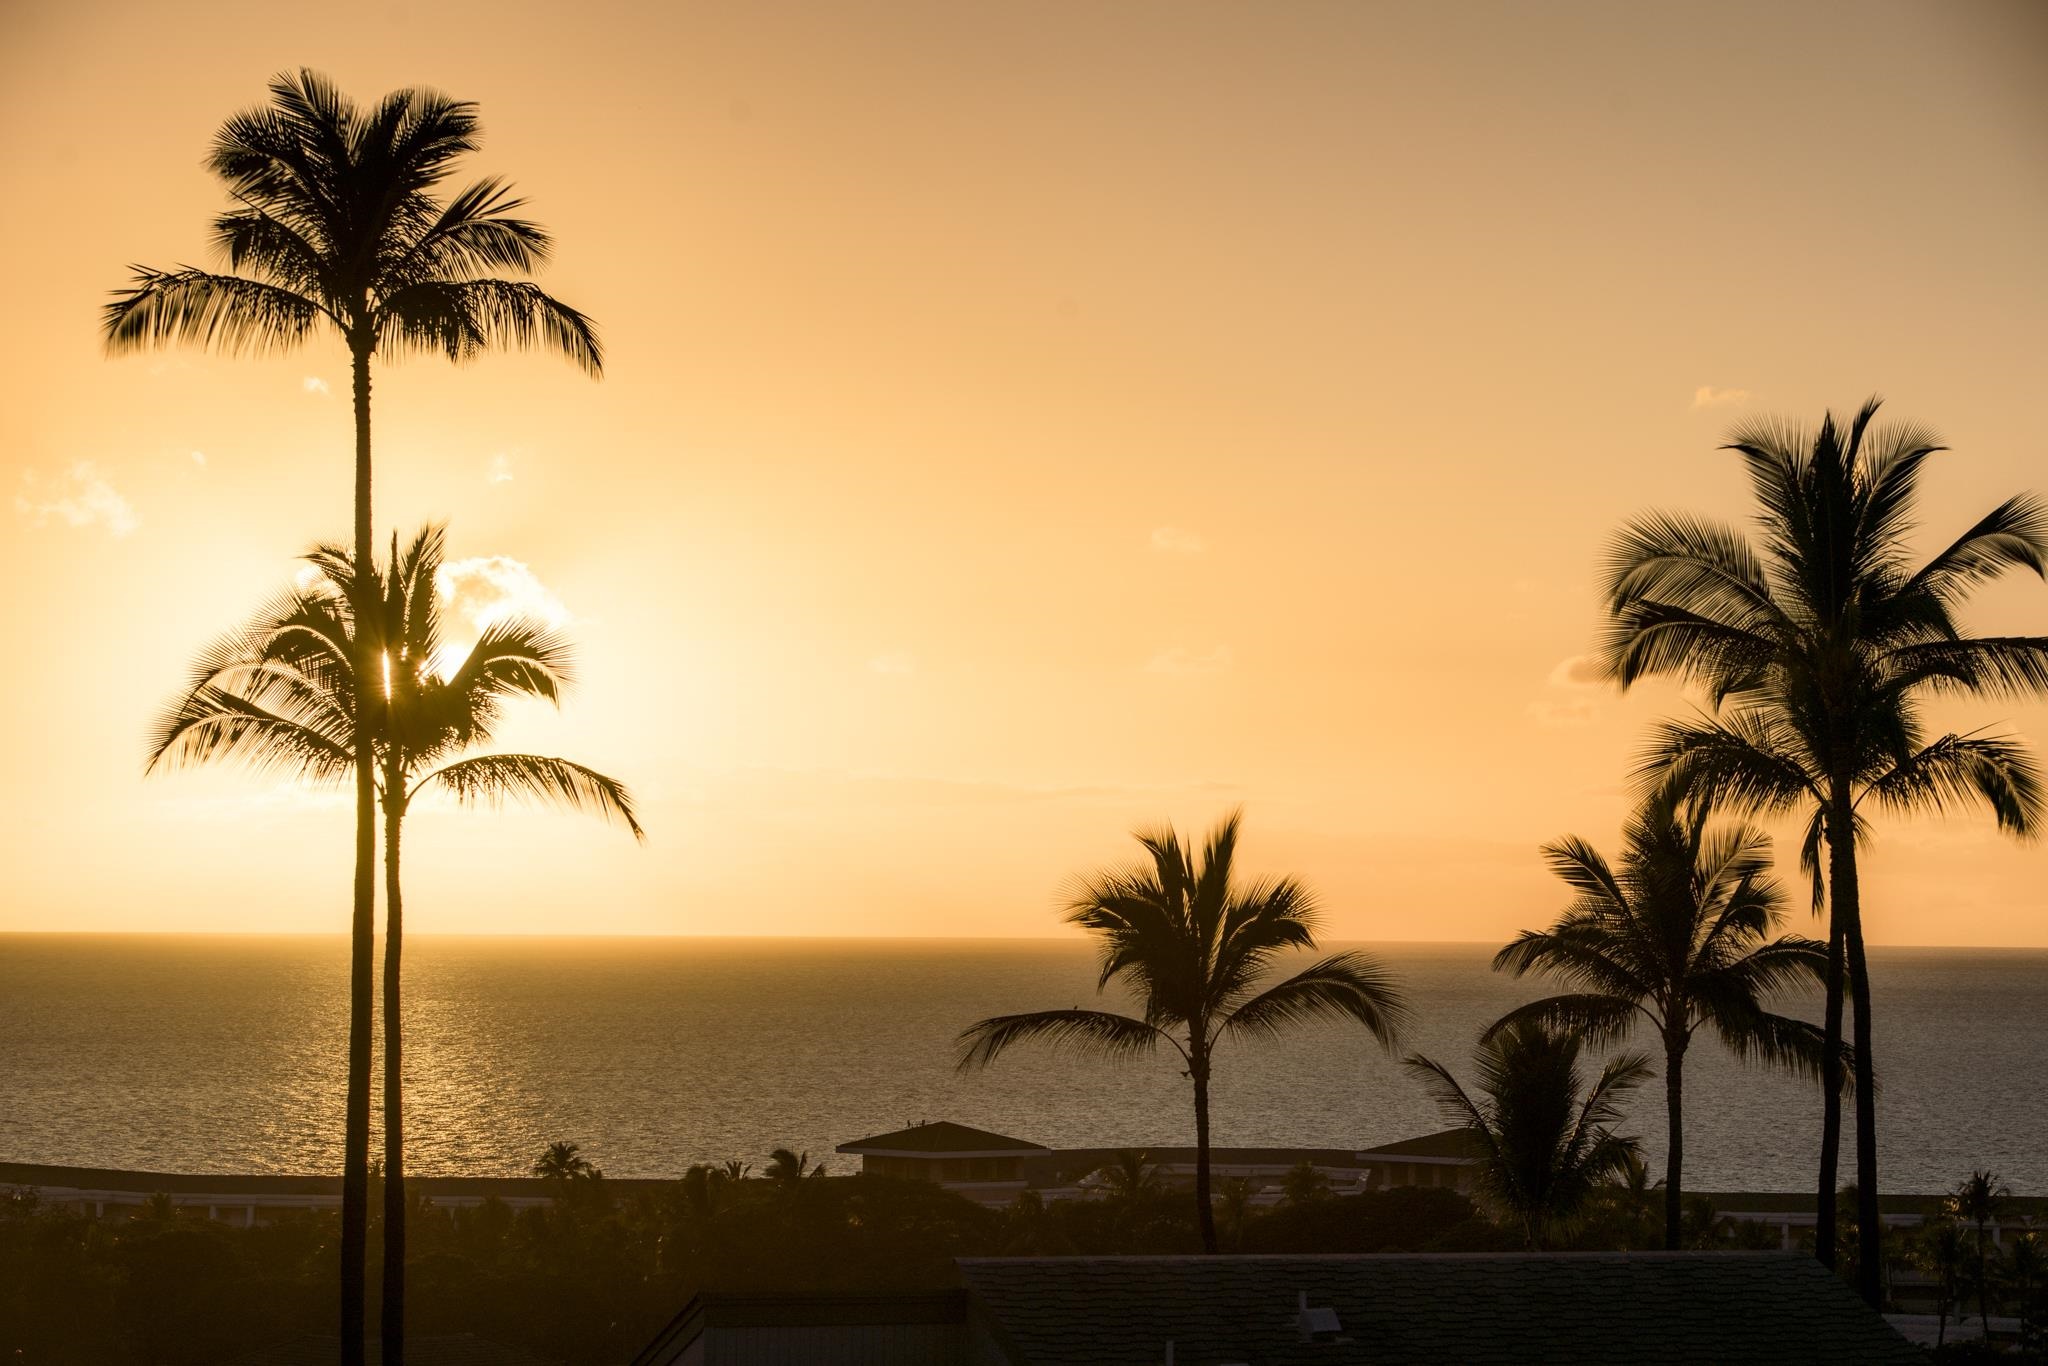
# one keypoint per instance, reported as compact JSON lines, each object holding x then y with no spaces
{"x":1546,"y":1138}
{"x":1676,"y":939}
{"x":336,"y":224}
{"x":1192,"y":947}
{"x":1816,"y":652}
{"x":283,"y":691}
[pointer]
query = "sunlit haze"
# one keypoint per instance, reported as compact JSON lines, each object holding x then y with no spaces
{"x":1019,"y":424}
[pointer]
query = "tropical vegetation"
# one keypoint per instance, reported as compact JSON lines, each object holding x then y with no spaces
{"x":1817,"y":648}
{"x":1546,"y":1136}
{"x":337,"y":225}
{"x":1193,"y":948}
{"x":1673,"y":939}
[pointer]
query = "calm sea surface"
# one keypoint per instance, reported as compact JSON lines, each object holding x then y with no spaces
{"x":225,"y":1054}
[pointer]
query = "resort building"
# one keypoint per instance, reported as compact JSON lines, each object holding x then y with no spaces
{"x":994,"y":1168}
{"x":1485,"y":1309}
{"x":1448,"y":1158}
{"x":976,"y":1163}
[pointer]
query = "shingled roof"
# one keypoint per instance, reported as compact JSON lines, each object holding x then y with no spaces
{"x":943,"y":1137}
{"x":1595,"y":1309}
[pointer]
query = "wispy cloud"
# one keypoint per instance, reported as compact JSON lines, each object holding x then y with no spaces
{"x":488,"y":589}
{"x":313,"y":384}
{"x":1181,"y":661}
{"x":1708,"y":396}
{"x":1174,"y":540}
{"x":81,"y":497}
{"x":894,"y":664}
{"x":1573,"y":698}
{"x":499,"y":471}
{"x":199,"y":458}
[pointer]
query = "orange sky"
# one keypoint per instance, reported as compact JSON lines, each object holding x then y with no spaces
{"x":1022,"y":422}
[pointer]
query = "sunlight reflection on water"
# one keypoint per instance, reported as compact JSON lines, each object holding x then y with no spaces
{"x":225,"y":1054}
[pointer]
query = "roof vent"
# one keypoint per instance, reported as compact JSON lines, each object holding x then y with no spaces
{"x":1317,"y":1325}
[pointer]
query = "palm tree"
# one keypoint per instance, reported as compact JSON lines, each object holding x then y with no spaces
{"x":1676,"y":939}
{"x":1980,"y":1198}
{"x":1936,"y":1248}
{"x":336,"y":223}
{"x":1815,"y":652}
{"x":565,"y":1162}
{"x":1192,"y":948}
{"x":790,"y":1168}
{"x":1545,"y":1138}
{"x":1131,"y":1177}
{"x":283,"y":690}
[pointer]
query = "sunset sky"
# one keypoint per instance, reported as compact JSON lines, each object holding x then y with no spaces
{"x":1021,"y":423}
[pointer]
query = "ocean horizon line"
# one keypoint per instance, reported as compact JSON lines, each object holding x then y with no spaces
{"x":606,"y":936}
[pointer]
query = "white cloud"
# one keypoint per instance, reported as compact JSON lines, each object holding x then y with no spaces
{"x":1575,"y":686}
{"x":1707,"y":396}
{"x":486,"y":590}
{"x":1181,"y":661}
{"x":313,"y":384}
{"x":499,"y":471}
{"x":895,"y":664}
{"x":1579,"y":671}
{"x":1173,"y":540}
{"x":80,"y":498}
{"x":199,"y":458}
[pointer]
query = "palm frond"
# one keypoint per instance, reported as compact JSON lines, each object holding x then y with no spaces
{"x":1350,"y":985}
{"x":229,"y":313}
{"x":1088,"y":1031}
{"x":463,"y":318}
{"x":1599,"y":1018}
{"x":539,"y":778}
{"x":1993,"y":769}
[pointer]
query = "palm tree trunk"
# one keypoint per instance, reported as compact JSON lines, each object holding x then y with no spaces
{"x":1983,"y":1285}
{"x":355,"y":1155}
{"x":1869,"y":1223}
{"x":1674,"y":1162}
{"x":393,"y":1331}
{"x":1205,"y":1214}
{"x":1824,"y":1232}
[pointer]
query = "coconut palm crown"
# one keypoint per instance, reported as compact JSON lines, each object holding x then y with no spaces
{"x":282,"y":694}
{"x":1545,"y":1136}
{"x":1817,"y":647}
{"x":1193,"y":949}
{"x":1674,"y":939}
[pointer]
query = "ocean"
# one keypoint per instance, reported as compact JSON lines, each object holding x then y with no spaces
{"x":225,"y":1054}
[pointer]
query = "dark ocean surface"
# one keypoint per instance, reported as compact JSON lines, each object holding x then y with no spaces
{"x":225,"y":1054}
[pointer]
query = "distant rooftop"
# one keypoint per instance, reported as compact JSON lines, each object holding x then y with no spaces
{"x":1485,"y":1309}
{"x":1450,"y":1143}
{"x":943,"y":1137}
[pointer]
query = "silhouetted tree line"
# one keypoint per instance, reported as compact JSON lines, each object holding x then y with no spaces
{"x":593,"y":1277}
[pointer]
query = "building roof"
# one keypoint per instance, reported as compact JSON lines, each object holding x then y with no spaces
{"x":451,"y":1349}
{"x":943,"y":1138}
{"x":1451,"y":1144}
{"x":795,"y":1310}
{"x":1597,"y":1309}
